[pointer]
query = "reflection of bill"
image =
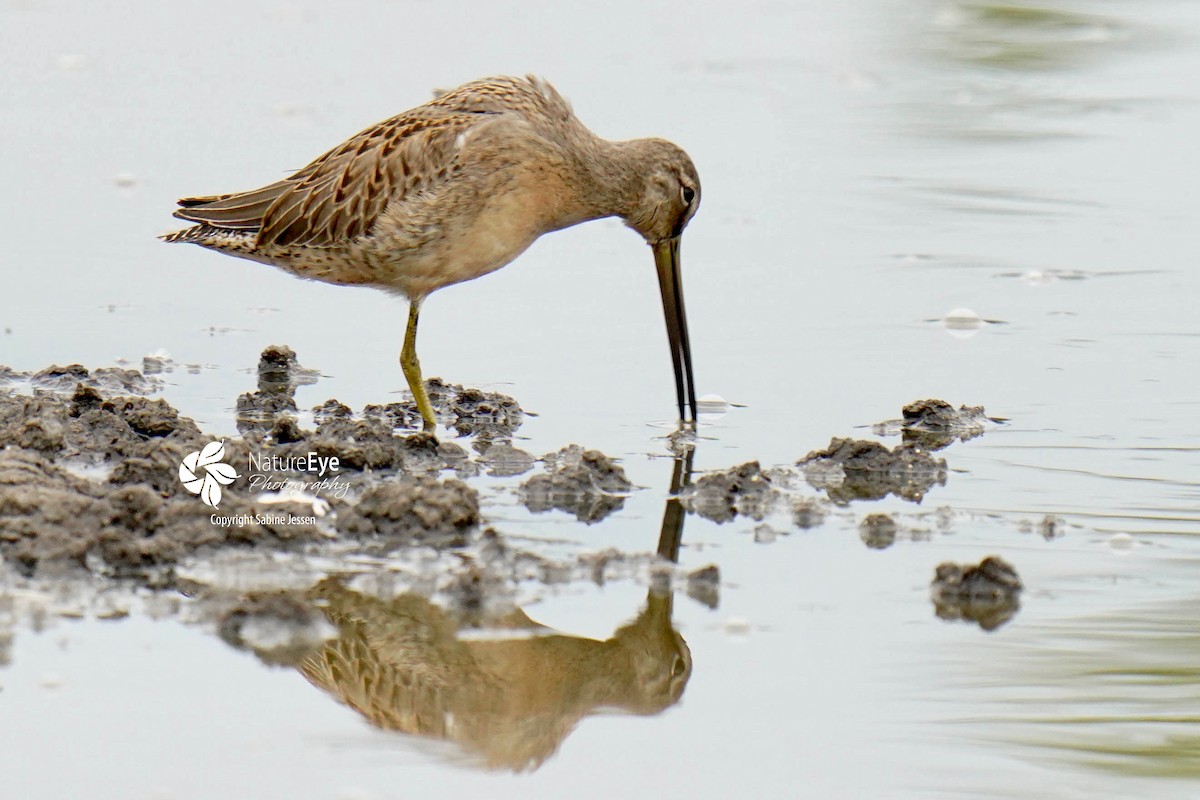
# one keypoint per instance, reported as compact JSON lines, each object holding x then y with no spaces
{"x":510,"y":698}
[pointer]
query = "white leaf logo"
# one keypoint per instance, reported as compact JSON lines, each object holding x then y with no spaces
{"x":203,"y":473}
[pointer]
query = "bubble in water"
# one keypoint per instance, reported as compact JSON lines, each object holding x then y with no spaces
{"x":51,"y":681}
{"x":962,"y":323}
{"x":711,"y":406}
{"x":71,"y":61}
{"x":1122,"y":544}
{"x":1035,"y":277}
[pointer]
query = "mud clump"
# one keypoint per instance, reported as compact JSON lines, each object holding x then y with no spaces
{"x":88,"y":427}
{"x":259,"y":411}
{"x":502,"y":460}
{"x":987,"y":593}
{"x":585,"y":483}
{"x":414,"y":510}
{"x":487,"y":416}
{"x":1050,"y":527}
{"x":273,"y":403}
{"x":474,"y":412}
{"x":935,"y":424}
{"x":722,"y":496}
{"x":129,"y":514}
{"x":807,"y":513}
{"x":50,"y":518}
{"x":382,"y":437}
{"x":856,"y":469}
{"x":878,"y":531}
{"x":704,"y":585}
{"x":109,"y":379}
{"x":366,"y":444}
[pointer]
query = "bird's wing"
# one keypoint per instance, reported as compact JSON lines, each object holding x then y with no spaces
{"x":531,"y":98}
{"x":338,"y":197}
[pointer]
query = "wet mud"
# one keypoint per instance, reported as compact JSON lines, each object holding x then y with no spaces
{"x":878,"y":531}
{"x":987,"y":594}
{"x":394,"y":597}
{"x":855,"y":469}
{"x":381,"y":582}
{"x":90,"y":472}
{"x":92,"y":480}
{"x":584,"y":483}
{"x":743,"y":490}
{"x":934,"y":424}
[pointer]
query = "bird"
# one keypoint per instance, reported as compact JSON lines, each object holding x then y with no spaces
{"x":455,"y":189}
{"x":509,"y":695}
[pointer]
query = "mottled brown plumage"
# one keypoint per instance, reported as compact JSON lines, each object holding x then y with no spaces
{"x":455,"y":189}
{"x":510,"y":699}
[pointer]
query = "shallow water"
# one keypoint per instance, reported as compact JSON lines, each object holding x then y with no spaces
{"x":867,"y":169}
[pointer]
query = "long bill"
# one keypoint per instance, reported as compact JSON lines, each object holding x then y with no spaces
{"x":666,"y":260}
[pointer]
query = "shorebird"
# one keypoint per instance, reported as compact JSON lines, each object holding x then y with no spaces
{"x":455,"y":189}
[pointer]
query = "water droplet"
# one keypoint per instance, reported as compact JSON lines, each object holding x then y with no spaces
{"x":51,"y":681}
{"x":962,"y":323}
{"x":1122,"y":544}
{"x":712,"y":407}
{"x":71,"y":61}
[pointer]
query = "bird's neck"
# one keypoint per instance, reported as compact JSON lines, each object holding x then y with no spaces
{"x":609,"y":179}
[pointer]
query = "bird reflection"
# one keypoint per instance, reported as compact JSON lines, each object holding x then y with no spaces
{"x":509,"y":697}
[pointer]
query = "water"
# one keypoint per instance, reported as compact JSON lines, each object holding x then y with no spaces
{"x":868,"y":168}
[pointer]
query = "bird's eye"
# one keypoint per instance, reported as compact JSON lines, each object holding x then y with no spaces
{"x":689,"y":194}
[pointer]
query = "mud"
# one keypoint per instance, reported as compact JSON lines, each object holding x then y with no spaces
{"x":855,"y":469}
{"x":743,"y":490}
{"x":704,"y":586}
{"x":90,"y":475}
{"x":502,"y":460}
{"x":413,"y":510}
{"x":270,"y":406}
{"x":807,"y":513}
{"x":847,"y":470}
{"x":110,"y":379}
{"x":370,"y":440}
{"x":90,"y":484}
{"x":52,"y":520}
{"x":878,"y":531}
{"x":987,"y":593}
{"x":935,"y":424}
{"x":488,"y":416}
{"x":585,"y":483}
{"x":90,"y":481}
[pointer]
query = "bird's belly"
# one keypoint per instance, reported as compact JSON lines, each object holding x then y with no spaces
{"x":465,"y":249}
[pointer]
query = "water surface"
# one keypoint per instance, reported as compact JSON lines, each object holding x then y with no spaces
{"x":868,"y":168}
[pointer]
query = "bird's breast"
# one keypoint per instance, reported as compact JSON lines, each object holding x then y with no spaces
{"x":484,"y":236}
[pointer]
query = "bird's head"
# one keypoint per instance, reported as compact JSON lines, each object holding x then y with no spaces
{"x":669,"y":195}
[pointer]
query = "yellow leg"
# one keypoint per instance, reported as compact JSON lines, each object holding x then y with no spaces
{"x":412,"y":367}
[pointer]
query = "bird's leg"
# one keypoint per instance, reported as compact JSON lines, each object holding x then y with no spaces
{"x":412,"y":367}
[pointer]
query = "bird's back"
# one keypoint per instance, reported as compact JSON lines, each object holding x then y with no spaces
{"x":339,"y":196}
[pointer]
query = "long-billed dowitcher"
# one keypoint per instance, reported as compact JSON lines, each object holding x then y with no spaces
{"x":455,"y":189}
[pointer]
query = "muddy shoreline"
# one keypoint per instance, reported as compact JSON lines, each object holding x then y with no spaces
{"x":98,"y":478}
